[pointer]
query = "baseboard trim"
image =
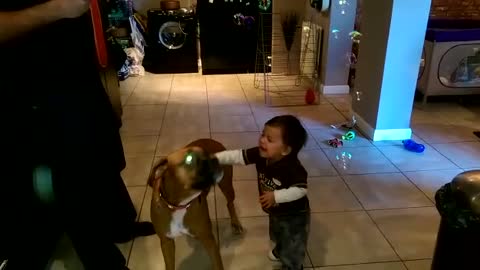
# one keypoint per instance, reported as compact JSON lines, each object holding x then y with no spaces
{"x":382,"y":134}
{"x":334,"y":89}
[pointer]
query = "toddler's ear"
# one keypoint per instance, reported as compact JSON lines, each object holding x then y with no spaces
{"x":287,"y":151}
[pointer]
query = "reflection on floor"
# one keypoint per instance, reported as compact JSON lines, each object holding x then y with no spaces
{"x":373,"y":211}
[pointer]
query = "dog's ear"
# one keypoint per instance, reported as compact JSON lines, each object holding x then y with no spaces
{"x":157,"y":171}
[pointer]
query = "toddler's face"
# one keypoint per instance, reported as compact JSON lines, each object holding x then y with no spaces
{"x":271,"y":144}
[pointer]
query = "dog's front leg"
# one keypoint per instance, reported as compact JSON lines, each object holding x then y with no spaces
{"x":213,"y":251}
{"x":168,"y":249}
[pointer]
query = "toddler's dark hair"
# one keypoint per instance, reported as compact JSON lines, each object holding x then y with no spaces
{"x":294,"y":134}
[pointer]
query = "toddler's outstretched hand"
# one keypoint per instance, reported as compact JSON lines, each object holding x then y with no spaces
{"x":267,"y":200}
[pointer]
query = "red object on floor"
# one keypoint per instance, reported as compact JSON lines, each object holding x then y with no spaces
{"x":310,"y":96}
{"x":100,"y":42}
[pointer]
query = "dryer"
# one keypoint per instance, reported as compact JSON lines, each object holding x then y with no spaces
{"x":172,"y":42}
{"x":229,"y":45}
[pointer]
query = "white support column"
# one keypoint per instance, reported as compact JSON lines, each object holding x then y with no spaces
{"x":388,"y":64}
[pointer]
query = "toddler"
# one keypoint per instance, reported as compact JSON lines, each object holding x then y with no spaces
{"x":282,"y":184}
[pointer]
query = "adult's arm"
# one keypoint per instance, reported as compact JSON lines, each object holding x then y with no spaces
{"x":16,"y":23}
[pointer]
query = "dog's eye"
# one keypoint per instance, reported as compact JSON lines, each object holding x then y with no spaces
{"x":189,"y":159}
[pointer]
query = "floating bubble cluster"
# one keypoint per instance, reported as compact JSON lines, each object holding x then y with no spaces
{"x":344,"y":159}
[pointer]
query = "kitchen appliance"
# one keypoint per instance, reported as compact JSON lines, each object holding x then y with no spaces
{"x":172,"y":42}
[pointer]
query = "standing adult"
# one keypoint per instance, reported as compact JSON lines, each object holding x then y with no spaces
{"x":56,"y":115}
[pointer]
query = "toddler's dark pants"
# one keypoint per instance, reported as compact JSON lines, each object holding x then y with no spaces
{"x":290,"y":234}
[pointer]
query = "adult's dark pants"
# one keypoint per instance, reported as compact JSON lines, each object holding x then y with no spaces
{"x":32,"y":230}
{"x":66,"y":123}
{"x":92,"y":205}
{"x":70,"y":127}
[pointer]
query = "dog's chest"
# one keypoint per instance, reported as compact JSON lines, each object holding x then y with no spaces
{"x":177,"y":226}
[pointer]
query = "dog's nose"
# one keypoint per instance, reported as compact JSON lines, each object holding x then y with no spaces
{"x":217,"y":170}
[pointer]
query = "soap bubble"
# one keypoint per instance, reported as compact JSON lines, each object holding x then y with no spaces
{"x":343,"y":4}
{"x":344,"y":159}
{"x":350,"y":59}
{"x":238,"y":19}
{"x":358,"y":95}
{"x":335,"y":33}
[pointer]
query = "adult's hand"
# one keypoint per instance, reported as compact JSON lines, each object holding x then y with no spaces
{"x":68,"y":9}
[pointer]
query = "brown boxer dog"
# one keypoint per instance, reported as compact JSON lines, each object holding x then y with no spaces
{"x":181,"y":183}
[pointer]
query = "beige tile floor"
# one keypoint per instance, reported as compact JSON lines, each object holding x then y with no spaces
{"x":374,"y":211}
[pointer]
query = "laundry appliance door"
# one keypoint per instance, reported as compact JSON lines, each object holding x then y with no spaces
{"x":172,"y":35}
{"x":228,"y":43}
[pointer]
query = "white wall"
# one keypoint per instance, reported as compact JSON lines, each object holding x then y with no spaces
{"x":280,"y":55}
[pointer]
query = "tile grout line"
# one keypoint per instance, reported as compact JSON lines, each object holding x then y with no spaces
{"x":151,"y":164}
{"x":137,"y":219}
{"x":432,"y":146}
{"x":404,"y":175}
{"x":259,"y":127}
{"x":454,"y":163}
{"x":134,"y":88}
{"x":363,"y":209}
{"x":248,"y":102}
{"x":334,"y":212}
{"x":144,"y":193}
{"x":362,"y":263}
{"x":372,"y":219}
{"x":208,"y":107}
{"x":217,"y":226}
{"x":163,"y":118}
{"x":361,"y":204}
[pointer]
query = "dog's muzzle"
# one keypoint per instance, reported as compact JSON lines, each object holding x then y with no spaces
{"x":212,"y":170}
{"x":207,"y":169}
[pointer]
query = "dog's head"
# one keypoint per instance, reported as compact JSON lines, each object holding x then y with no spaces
{"x":193,"y":167}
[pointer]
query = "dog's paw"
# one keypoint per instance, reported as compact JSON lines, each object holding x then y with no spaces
{"x":237,"y":228}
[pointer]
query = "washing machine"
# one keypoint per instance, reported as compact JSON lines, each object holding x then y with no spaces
{"x":171,"y":42}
